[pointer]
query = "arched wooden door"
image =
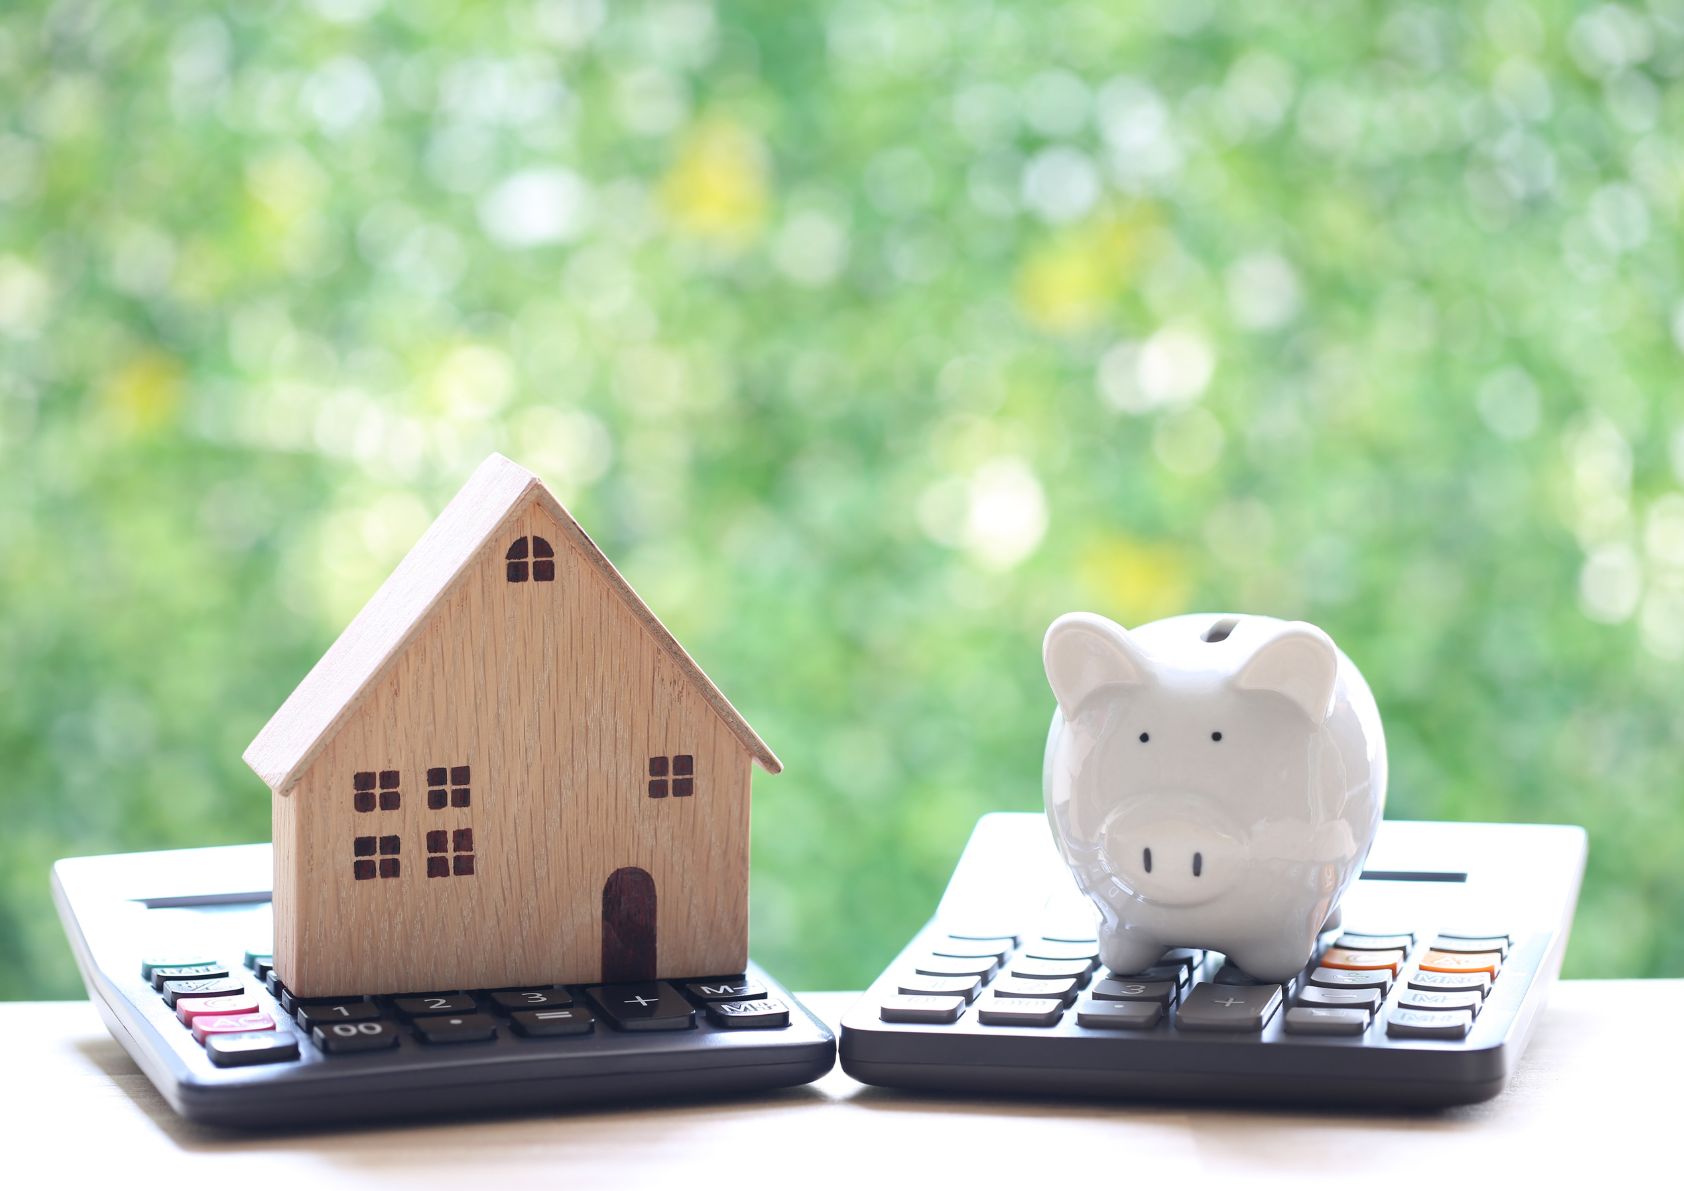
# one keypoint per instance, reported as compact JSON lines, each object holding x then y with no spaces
{"x":628,"y":926}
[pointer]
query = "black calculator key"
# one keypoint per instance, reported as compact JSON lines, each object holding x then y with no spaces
{"x":1390,"y":931}
{"x":1018,"y":1011}
{"x":175,"y":990}
{"x":1440,"y":1002}
{"x":1066,"y":932}
{"x":950,"y":965}
{"x":1053,"y":949}
{"x":764,"y":1014}
{"x":1188,"y":957}
{"x":1366,"y":999}
{"x":265,"y":965}
{"x":454,"y":1004}
{"x":1325,"y":1019}
{"x":1479,"y":982}
{"x":1482,"y":936}
{"x":350,"y":1037}
{"x":1380,"y":978}
{"x":726,"y":988}
{"x":310,"y":1014}
{"x":1053,"y":969}
{"x":1228,"y":1008}
{"x":1063,"y":991}
{"x":1235,"y":977}
{"x":1417,"y":1023}
{"x":1462,"y":944}
{"x":164,"y":973}
{"x":510,"y":999}
{"x":994,"y":949}
{"x":247,"y":1050}
{"x":1174,"y":973}
{"x":651,"y":1005}
{"x":1351,"y":941}
{"x":149,"y":967}
{"x":921,"y":1010}
{"x":466,"y":1027}
{"x":1160,"y":992}
{"x":1119,"y":1015}
{"x":918,"y":985}
{"x":552,"y":1023}
{"x":272,"y":982}
{"x":252,"y":957}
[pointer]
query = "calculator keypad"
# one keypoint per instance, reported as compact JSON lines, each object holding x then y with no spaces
{"x":1120,"y":1015}
{"x":940,"y":986}
{"x":355,"y":1037}
{"x":465,"y":1027}
{"x":310,"y":1015}
{"x":1229,"y":1009}
{"x":509,"y":1000}
{"x":239,"y":1026}
{"x":1392,"y":981}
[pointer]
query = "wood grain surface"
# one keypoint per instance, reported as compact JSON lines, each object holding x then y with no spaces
{"x":555,"y":700}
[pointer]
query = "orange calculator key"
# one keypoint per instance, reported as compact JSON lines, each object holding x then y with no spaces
{"x":1452,"y":961}
{"x":1362,"y":961}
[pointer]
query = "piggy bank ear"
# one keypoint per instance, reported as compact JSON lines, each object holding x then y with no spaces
{"x":1084,"y":652}
{"x":1298,"y":661}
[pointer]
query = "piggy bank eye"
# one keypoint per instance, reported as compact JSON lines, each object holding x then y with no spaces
{"x":1216,"y":736}
{"x":1144,"y":737}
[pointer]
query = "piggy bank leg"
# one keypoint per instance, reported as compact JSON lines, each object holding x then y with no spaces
{"x":1125,"y":953}
{"x":1334,"y":920}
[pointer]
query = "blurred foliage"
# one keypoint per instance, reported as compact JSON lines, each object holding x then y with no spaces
{"x":866,"y":337}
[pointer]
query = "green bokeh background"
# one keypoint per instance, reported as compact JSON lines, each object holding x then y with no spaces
{"x":866,"y":338}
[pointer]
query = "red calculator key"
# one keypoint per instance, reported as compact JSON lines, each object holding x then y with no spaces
{"x":233,"y":1023}
{"x":193,"y":1008}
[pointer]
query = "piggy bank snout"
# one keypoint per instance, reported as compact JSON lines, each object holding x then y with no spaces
{"x":1177,"y":851}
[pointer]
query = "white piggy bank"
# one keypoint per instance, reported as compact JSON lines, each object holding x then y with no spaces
{"x":1213,"y":781}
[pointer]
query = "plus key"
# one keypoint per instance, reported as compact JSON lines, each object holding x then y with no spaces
{"x":650,"y":1005}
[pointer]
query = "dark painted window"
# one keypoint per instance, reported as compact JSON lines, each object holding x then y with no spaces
{"x":364,"y":797}
{"x":365,"y":847}
{"x":448,"y":787}
{"x":675,"y":775}
{"x":541,"y":567}
{"x":450,"y":853}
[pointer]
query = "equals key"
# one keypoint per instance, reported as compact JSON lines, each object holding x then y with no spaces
{"x":552,"y":1023}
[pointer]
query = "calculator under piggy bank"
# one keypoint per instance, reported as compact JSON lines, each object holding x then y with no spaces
{"x":1426,"y":994}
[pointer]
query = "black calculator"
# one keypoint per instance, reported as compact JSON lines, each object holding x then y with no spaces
{"x":1424,"y":995}
{"x":173,"y":948}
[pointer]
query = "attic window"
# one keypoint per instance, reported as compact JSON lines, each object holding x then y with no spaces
{"x":682,"y":780}
{"x":448,"y":787}
{"x":542,"y":565}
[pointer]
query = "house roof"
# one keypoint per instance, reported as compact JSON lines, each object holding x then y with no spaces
{"x":321,"y":703}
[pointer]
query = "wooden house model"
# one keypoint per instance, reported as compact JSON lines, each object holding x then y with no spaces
{"x":506,"y":772}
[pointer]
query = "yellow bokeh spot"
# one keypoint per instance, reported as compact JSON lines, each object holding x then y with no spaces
{"x":1133,"y":581}
{"x":143,"y":394}
{"x":719,"y":186}
{"x":1067,"y":281}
